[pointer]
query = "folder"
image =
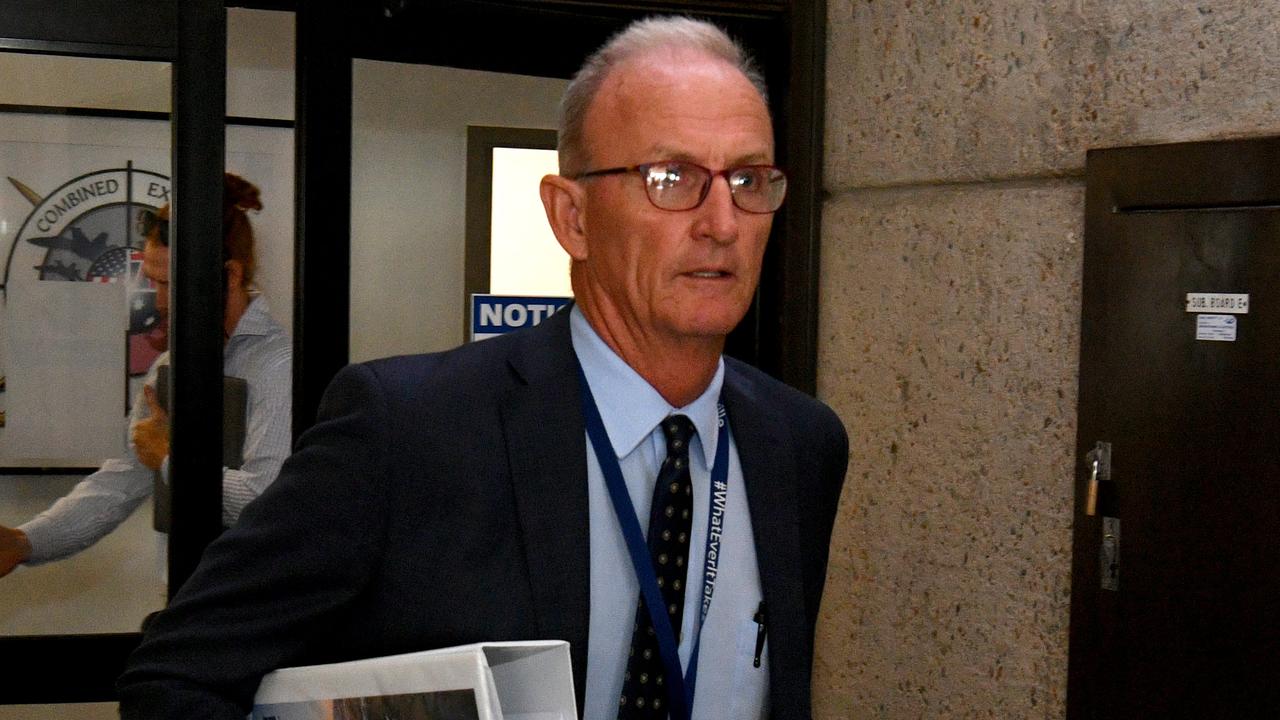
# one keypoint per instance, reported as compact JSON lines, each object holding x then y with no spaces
{"x":485,"y":681}
{"x":235,"y":406}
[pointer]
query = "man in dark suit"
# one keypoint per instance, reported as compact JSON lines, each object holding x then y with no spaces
{"x":498,"y":491}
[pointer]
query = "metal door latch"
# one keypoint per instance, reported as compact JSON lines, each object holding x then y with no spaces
{"x":1110,"y":554}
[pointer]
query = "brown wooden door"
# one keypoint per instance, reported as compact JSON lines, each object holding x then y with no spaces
{"x":1190,"y":626}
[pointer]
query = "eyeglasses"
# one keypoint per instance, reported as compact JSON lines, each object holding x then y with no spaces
{"x":679,"y":185}
{"x":149,"y":222}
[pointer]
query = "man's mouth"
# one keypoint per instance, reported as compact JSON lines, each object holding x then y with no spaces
{"x":709,"y":274}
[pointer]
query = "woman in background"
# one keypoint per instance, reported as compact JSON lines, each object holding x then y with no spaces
{"x":257,"y":350}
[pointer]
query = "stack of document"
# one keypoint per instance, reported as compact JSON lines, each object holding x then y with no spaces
{"x":485,"y":681}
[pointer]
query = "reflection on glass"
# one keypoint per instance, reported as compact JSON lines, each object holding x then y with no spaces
{"x":79,"y":330}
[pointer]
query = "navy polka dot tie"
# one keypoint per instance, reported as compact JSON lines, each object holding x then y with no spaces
{"x":670,"y":518}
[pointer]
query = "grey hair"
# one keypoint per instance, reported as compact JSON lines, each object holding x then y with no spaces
{"x":638,"y":38}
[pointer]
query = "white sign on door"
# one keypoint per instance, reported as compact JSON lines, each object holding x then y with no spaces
{"x":1216,"y":327}
{"x":1218,"y":303}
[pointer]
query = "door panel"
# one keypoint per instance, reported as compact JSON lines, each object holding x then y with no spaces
{"x":1192,"y":629}
{"x":79,"y":329}
{"x":79,"y":662}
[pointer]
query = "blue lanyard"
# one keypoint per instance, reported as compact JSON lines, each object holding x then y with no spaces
{"x":680,"y":686}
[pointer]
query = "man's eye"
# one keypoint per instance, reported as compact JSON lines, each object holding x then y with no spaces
{"x":745,"y":180}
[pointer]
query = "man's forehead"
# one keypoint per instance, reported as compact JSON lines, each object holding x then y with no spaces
{"x":680,"y":83}
{"x":664,"y":150}
{"x":664,"y":71}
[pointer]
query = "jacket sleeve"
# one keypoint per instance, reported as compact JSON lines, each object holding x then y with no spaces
{"x":267,"y":587}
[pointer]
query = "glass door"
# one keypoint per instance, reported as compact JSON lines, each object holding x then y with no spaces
{"x":85,"y":150}
{"x":97,"y":139}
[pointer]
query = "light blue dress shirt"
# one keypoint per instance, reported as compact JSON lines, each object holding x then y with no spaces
{"x":728,"y":685}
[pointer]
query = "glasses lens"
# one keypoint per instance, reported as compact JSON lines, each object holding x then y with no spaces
{"x":675,"y":186}
{"x":758,"y":188}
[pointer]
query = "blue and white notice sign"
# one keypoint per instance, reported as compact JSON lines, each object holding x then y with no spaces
{"x":493,"y":315}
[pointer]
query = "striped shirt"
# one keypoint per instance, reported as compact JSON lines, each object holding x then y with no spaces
{"x":258,"y":351}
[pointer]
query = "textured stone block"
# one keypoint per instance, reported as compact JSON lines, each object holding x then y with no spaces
{"x":949,"y":345}
{"x":938,"y":90}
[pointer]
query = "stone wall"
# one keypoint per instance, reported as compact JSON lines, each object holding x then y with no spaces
{"x":956,"y":135}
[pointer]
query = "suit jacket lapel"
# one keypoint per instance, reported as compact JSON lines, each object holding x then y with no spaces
{"x":764,"y":449}
{"x":546,"y":449}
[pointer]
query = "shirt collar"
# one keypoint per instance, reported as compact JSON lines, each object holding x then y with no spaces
{"x":256,"y":319}
{"x":630,"y":407}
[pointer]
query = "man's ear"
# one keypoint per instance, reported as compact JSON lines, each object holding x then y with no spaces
{"x":564,"y":202}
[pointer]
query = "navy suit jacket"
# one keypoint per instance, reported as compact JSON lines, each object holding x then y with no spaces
{"x":441,"y":500}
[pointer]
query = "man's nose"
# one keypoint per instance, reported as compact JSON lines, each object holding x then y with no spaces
{"x":719,"y":216}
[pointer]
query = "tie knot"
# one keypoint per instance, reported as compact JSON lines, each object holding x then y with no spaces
{"x":678,"y":430}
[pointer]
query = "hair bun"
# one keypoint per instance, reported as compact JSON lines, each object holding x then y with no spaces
{"x":240,"y":193}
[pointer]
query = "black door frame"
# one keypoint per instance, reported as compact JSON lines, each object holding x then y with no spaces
{"x":191,"y":36}
{"x":788,"y":38}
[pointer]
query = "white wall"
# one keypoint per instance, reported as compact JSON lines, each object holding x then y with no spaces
{"x":260,"y":66}
{"x":260,"y":59}
{"x":408,"y":180}
{"x":81,"y":83}
{"x":264,"y":156}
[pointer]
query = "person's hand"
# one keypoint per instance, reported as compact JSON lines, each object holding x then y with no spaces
{"x":14,"y":549}
{"x":151,"y":436}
